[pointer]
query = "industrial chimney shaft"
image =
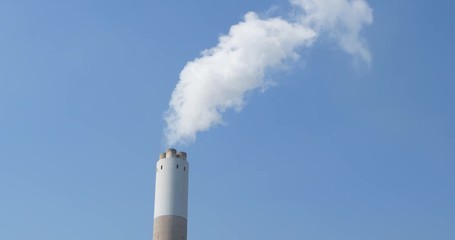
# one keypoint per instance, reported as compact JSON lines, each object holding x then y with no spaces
{"x":171,"y":196}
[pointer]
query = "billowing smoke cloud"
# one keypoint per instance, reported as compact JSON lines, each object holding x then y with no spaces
{"x":218,"y":80}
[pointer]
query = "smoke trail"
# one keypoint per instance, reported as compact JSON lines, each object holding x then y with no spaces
{"x":218,"y":80}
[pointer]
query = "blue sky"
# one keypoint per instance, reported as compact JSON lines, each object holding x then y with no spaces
{"x":334,"y":151}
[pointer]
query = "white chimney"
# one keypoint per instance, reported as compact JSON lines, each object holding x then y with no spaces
{"x":171,"y":196}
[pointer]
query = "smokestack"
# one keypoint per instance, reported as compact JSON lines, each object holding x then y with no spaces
{"x":171,"y":196}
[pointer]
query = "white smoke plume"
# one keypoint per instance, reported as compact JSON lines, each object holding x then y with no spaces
{"x":218,"y":80}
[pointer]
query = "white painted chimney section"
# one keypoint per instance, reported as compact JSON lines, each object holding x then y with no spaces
{"x":171,"y":196}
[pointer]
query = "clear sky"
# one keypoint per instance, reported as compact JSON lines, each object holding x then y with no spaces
{"x":334,"y":151}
